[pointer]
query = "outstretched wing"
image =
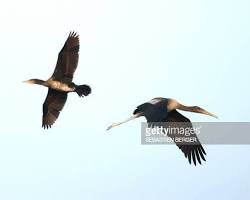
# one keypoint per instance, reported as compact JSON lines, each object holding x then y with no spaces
{"x":67,"y":58}
{"x":192,"y":152}
{"x":52,"y":106}
{"x":154,"y":110}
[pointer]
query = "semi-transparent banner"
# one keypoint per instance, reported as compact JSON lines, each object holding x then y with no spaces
{"x":195,"y":133}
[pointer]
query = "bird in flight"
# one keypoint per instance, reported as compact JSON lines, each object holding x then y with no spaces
{"x":165,"y":110}
{"x":60,"y":83}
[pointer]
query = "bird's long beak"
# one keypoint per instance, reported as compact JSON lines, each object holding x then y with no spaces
{"x":208,"y":113}
{"x":195,"y":109}
{"x":122,"y":122}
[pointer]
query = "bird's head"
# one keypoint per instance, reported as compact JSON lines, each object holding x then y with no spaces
{"x":35,"y":81}
{"x":30,"y":81}
{"x":198,"y":109}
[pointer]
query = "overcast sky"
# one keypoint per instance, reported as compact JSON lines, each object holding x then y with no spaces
{"x":131,"y":51}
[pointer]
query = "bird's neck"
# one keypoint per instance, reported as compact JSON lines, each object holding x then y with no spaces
{"x":40,"y":82}
{"x":186,"y":108}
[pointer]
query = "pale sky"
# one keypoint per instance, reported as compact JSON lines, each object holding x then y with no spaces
{"x":195,"y":51}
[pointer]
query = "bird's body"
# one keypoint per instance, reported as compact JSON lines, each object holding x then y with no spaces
{"x":61,"y":86}
{"x":164,"y":110}
{"x":154,"y":110}
{"x":60,"y":83}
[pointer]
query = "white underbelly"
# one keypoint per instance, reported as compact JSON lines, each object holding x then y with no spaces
{"x":56,"y":85}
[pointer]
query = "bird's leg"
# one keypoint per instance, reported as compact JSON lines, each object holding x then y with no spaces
{"x":122,"y":122}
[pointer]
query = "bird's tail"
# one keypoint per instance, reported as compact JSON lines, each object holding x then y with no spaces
{"x":83,"y":90}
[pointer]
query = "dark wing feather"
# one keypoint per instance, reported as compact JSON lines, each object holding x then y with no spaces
{"x":192,"y":152}
{"x":67,"y":58}
{"x":52,"y":106}
{"x":153,"y":112}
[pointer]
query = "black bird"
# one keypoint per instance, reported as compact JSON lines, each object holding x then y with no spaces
{"x":164,"y":110}
{"x":60,"y":83}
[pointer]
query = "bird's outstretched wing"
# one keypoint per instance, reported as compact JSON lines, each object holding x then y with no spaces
{"x":52,"y":106}
{"x":155,"y":112}
{"x":67,"y":58}
{"x":192,"y":152}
